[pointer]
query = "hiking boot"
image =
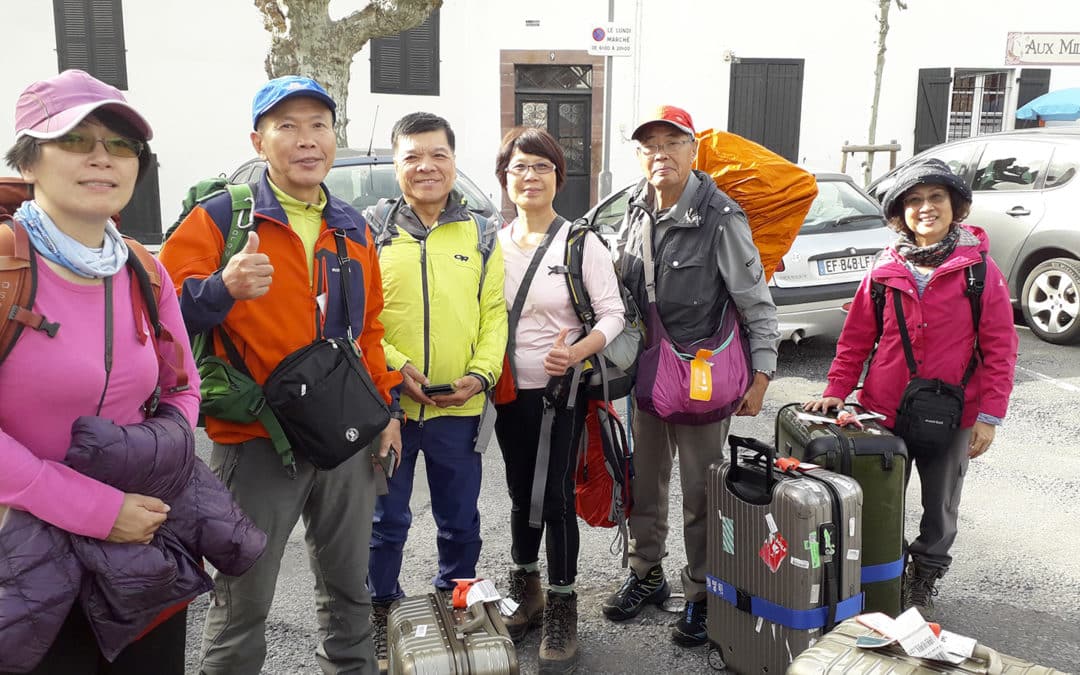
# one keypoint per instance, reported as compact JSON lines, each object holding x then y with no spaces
{"x":380,"y":612}
{"x":526,"y":592}
{"x":689,"y":630}
{"x":628,"y":601}
{"x":558,"y":644}
{"x":918,"y":588}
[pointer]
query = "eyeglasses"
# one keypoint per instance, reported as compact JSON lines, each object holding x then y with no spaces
{"x":666,"y":148}
{"x":83,"y":144}
{"x":917,"y":201}
{"x":540,"y":169}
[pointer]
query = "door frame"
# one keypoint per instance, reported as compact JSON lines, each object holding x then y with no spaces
{"x":509,"y":58}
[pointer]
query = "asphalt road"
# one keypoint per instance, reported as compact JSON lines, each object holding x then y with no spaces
{"x":1014,"y":584}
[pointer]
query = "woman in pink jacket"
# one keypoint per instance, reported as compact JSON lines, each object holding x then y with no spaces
{"x":929,"y":268}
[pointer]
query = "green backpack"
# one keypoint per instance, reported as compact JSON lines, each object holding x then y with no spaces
{"x":228,"y":391}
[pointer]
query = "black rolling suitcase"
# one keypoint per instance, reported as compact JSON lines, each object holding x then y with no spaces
{"x":783,"y":556}
{"x":875,"y":458}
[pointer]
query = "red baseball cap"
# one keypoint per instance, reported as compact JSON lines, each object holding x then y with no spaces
{"x":676,"y":117}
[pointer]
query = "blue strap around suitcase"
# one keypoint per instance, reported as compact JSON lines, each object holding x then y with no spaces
{"x":797,"y":619}
{"x":884,"y":572}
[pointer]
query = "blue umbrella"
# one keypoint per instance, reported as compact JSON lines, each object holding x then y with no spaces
{"x":1061,"y":105}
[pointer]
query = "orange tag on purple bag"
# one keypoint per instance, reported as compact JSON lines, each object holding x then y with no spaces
{"x":701,"y":376}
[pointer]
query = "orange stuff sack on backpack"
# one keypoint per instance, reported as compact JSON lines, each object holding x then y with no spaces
{"x":775,"y":194}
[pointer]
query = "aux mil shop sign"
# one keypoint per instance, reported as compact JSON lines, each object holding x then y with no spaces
{"x":1048,"y":49}
{"x":611,"y":39}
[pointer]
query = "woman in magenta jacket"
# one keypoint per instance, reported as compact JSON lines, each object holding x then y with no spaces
{"x":929,"y":266}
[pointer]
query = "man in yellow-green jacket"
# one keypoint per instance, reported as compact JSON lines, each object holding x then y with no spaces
{"x":445,"y":321}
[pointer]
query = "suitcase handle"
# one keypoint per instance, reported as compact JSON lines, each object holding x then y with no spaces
{"x":761,"y":449}
{"x":477,"y":617}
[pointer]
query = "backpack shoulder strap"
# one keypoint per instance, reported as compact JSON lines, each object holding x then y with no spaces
{"x":976,"y":282}
{"x":575,"y":281}
{"x":486,"y":236}
{"x":145,"y":290}
{"x":18,"y":286}
{"x":243,"y":205}
{"x":378,"y":218}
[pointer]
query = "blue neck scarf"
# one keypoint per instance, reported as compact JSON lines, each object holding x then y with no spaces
{"x":53,"y":244}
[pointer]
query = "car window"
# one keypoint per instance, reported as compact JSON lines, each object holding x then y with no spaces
{"x":1063,"y":166}
{"x":611,"y":213}
{"x":363,"y":185}
{"x":839,"y":203}
{"x":1010,"y":165}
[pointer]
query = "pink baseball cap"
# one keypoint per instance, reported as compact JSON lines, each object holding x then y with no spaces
{"x":676,"y":117}
{"x":50,"y":108}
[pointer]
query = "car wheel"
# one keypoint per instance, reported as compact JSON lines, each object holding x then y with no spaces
{"x":1051,"y":301}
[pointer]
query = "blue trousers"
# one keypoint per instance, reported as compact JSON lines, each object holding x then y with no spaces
{"x":453,"y":471}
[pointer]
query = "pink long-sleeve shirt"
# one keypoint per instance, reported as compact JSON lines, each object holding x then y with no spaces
{"x":45,"y":383}
{"x":547,"y":306}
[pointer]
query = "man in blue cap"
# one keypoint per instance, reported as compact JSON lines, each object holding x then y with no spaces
{"x":277,"y":295}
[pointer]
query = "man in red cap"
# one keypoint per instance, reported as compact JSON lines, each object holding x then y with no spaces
{"x":702,"y":256}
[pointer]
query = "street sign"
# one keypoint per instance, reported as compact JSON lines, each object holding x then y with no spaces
{"x":611,"y":39}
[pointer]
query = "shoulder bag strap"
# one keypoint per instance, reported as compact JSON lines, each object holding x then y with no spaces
{"x":514,"y":314}
{"x":898,"y":305}
{"x":976,"y":280}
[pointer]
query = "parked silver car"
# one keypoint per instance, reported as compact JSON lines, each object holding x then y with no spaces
{"x":817,"y":278}
{"x":1026,"y":197}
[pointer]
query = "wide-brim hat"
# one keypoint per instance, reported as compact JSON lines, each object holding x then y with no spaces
{"x":931,"y":171}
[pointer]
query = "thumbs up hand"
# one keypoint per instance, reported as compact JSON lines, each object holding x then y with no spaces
{"x":248,"y":273}
{"x":561,"y":357}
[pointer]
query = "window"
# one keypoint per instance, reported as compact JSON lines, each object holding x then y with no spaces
{"x":1064,"y":166}
{"x":407,"y":63}
{"x":1011,"y":165}
{"x":90,"y":37}
{"x":978,"y":103}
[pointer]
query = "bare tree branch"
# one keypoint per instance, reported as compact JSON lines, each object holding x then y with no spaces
{"x":381,"y":18}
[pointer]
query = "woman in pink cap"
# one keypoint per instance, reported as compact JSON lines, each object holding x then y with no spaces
{"x":82,"y":357}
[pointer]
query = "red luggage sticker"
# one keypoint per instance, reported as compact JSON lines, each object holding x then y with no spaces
{"x":773,"y":551}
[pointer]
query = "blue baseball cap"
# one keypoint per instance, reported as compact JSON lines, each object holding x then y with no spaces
{"x":280,"y":88}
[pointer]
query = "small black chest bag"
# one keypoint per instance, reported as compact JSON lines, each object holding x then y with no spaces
{"x":930,"y":411}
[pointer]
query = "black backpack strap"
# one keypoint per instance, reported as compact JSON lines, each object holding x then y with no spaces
{"x":976,"y":282}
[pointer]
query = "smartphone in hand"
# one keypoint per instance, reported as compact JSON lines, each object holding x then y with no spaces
{"x":389,"y":462}
{"x":437,"y":389}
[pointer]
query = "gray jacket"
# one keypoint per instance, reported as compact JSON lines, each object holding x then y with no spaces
{"x":703,"y":254}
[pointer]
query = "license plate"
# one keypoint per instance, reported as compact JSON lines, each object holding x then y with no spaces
{"x":854,"y":263}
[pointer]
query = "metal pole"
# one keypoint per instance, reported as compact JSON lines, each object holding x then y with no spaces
{"x":605,"y":168}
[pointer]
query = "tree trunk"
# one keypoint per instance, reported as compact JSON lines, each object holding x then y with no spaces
{"x":306,"y":41}
{"x":883,"y":32}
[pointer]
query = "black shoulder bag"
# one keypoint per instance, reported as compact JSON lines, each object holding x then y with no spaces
{"x":931,"y":410}
{"x":323,"y":396}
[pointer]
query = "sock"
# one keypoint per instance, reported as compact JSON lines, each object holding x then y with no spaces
{"x":565,"y":590}
{"x":529,"y":567}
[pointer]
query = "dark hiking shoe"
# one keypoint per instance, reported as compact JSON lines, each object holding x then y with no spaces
{"x":689,"y":630}
{"x":559,"y":643}
{"x":380,"y":612}
{"x":526,"y":592}
{"x":628,"y":601}
{"x":918,"y":588}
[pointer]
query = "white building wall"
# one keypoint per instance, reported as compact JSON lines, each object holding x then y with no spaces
{"x":193,"y":67}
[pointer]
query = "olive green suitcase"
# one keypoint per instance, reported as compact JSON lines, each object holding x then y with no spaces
{"x":425,"y":635}
{"x":877,"y":460}
{"x":837,"y":653}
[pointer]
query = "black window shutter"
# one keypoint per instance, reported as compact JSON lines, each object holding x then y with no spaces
{"x":90,"y":36}
{"x":1034,"y":82}
{"x":141,"y":218}
{"x":407,"y":63}
{"x":932,"y":107}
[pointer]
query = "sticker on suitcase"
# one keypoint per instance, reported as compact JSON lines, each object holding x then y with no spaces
{"x":773,"y":551}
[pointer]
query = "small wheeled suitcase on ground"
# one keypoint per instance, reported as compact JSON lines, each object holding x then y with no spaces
{"x":837,"y":653}
{"x":877,"y":459}
{"x":425,"y":635}
{"x":783,"y":557}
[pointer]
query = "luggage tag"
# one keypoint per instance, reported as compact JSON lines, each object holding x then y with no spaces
{"x":701,"y":376}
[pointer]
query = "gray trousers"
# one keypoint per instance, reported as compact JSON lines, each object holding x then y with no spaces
{"x":336,"y":507}
{"x":941,"y":476}
{"x":655,"y":445}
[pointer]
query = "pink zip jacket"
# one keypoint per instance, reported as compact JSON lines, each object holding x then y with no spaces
{"x":942,"y":336}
